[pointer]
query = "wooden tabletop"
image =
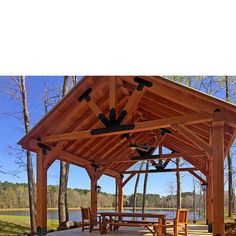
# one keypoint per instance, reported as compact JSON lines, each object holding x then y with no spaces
{"x":130,"y":214}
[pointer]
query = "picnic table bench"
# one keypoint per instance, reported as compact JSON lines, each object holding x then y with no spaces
{"x":154,"y":226}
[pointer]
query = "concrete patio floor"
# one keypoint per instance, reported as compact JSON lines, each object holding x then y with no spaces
{"x":200,"y":230}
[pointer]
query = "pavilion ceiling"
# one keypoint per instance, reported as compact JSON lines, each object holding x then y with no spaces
{"x":165,"y":99}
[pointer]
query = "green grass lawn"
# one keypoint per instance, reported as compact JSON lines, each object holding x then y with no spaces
{"x":16,"y":225}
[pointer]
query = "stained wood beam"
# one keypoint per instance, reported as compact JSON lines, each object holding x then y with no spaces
{"x":120,"y":193}
{"x":70,"y":158}
{"x":133,"y":102}
{"x":128,"y":179}
{"x":41,"y":207}
{"x":157,"y":171}
{"x":204,"y":146}
{"x":218,"y":174}
{"x":162,"y":157}
{"x":113,"y":93}
{"x":138,"y":127}
{"x":171,"y":91}
{"x":51,"y":156}
{"x":198,"y":177}
{"x":166,"y":163}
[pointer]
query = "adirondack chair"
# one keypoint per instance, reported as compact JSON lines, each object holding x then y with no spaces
{"x":180,"y":222}
{"x":87,"y":220}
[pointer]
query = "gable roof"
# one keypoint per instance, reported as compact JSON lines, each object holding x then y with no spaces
{"x":164,"y":99}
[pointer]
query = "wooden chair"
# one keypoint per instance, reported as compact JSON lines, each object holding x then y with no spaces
{"x":87,"y":220}
{"x":180,"y":222}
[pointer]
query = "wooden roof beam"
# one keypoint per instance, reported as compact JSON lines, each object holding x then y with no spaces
{"x":161,"y":157}
{"x":113,"y":97}
{"x":157,"y":171}
{"x":198,"y":177}
{"x":204,"y":146}
{"x":137,"y":127}
{"x":128,"y":179}
{"x":51,"y":156}
{"x":68,"y":157}
{"x":93,"y":106}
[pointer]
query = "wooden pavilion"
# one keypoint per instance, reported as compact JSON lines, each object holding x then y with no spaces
{"x":97,"y":123}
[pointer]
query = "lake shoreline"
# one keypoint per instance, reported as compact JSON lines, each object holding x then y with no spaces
{"x":100,"y":208}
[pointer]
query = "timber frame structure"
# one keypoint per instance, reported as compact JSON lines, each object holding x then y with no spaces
{"x":91,"y":128}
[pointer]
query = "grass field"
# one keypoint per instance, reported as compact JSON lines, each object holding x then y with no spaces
{"x":16,"y":225}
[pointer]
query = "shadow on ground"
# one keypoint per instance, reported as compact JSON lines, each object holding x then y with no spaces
{"x":7,"y":228}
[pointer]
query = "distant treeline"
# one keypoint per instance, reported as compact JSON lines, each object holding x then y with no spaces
{"x":16,"y":196}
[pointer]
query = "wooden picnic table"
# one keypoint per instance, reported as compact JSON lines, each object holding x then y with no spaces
{"x":158,"y":224}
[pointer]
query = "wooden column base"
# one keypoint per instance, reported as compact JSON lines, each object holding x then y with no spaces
{"x":210,"y":228}
{"x":41,"y":230}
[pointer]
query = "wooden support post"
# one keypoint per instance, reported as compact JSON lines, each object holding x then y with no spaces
{"x":209,"y":197}
{"x":120,"y":194}
{"x":94,"y":207}
{"x":218,"y":173}
{"x":41,"y":208}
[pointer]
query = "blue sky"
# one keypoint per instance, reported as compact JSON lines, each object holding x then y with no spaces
{"x":12,"y":131}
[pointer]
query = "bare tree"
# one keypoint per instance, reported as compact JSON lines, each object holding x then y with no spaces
{"x":63,"y":213}
{"x":136,"y":188}
{"x":30,"y":174}
{"x":178,"y":183}
{"x":194,"y":200}
{"x":229,"y":159}
{"x":17,"y":91}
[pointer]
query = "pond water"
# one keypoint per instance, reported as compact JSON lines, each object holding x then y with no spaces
{"x":75,"y":214}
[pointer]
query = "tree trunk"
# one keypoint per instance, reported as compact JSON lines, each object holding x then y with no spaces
{"x":230,"y":186}
{"x":194,"y":200}
{"x":116,"y":197}
{"x":136,"y":188}
{"x":229,"y":159}
{"x":200,"y":201}
{"x":178,"y":181}
{"x":30,"y":174}
{"x":145,"y":188}
{"x":63,"y":212}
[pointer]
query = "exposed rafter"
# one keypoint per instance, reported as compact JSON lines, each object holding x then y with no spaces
{"x":193,"y":138}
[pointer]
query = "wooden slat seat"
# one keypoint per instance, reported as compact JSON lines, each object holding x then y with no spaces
{"x":150,"y":225}
{"x":87,"y":220}
{"x":180,"y":222}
